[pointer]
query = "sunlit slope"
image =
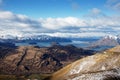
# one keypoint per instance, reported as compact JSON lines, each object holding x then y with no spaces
{"x":93,"y":67}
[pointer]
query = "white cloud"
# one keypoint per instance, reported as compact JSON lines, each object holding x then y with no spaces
{"x":105,"y":22}
{"x":17,"y":24}
{"x":68,"y":22}
{"x":6,"y":15}
{"x":91,"y":26}
{"x":59,"y":23}
{"x":10,"y":20}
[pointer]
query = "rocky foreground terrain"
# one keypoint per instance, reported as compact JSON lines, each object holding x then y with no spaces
{"x":34,"y":59}
{"x":26,"y":60}
{"x":101,"y":66}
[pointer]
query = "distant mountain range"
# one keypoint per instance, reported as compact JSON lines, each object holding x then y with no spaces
{"x":106,"y":42}
{"x":33,"y":38}
{"x":93,"y":43}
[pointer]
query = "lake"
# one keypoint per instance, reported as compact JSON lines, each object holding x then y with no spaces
{"x":48,"y":44}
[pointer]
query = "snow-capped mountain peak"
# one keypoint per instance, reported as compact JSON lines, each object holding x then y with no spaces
{"x":111,"y":37}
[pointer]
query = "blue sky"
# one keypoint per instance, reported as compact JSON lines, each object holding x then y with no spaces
{"x":54,"y":8}
{"x":65,"y":18}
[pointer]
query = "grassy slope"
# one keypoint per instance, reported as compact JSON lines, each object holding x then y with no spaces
{"x":103,"y":58}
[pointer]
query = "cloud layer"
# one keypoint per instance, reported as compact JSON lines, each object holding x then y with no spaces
{"x":97,"y":25}
{"x":10,"y":22}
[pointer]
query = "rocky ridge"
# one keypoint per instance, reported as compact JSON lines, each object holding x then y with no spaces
{"x":33,"y":59}
{"x":101,"y":66}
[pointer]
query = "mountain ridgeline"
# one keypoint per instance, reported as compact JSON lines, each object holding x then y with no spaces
{"x":101,"y":66}
{"x":33,"y":38}
{"x":34,"y":59}
{"x":109,"y":40}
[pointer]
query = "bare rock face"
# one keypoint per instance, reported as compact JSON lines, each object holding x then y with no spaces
{"x":102,"y":66}
{"x":32,"y":59}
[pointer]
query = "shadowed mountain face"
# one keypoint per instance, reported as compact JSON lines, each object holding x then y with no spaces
{"x":102,"y":66}
{"x":31,"y":59}
{"x":6,"y":49}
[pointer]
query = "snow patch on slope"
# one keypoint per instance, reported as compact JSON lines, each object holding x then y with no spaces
{"x":98,"y":76}
{"x":83,"y":65}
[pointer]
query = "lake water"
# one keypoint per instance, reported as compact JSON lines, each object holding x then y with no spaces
{"x":80,"y":44}
{"x":47,"y":44}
